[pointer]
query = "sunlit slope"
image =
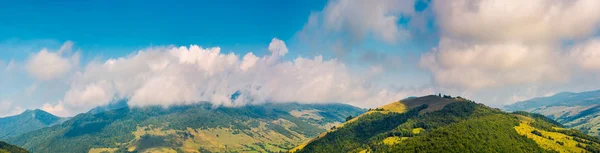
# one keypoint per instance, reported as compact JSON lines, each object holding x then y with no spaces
{"x":434,"y":103}
{"x":450,"y":125}
{"x":575,"y":110}
{"x":195,"y":128}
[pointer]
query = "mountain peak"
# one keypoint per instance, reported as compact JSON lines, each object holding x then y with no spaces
{"x":29,"y":120}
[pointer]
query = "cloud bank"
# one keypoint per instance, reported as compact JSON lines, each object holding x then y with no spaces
{"x":184,"y":75}
{"x":495,"y":52}
{"x":489,"y":43}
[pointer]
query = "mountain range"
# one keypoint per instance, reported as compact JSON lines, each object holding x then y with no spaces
{"x":416,"y":124}
{"x":575,"y":110}
{"x":270,"y":127}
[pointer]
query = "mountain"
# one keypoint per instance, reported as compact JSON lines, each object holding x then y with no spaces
{"x":8,"y":148}
{"x":28,"y":121}
{"x":447,"y":124}
{"x":270,"y":127}
{"x":575,"y":110}
{"x":108,"y":107}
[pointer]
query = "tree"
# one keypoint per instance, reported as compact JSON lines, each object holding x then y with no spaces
{"x":536,"y":132}
{"x":349,"y":118}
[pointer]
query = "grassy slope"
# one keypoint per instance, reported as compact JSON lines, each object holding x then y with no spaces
{"x":186,"y":128}
{"x":434,"y":103}
{"x":8,"y":148}
{"x":575,"y":110}
{"x":458,"y":127}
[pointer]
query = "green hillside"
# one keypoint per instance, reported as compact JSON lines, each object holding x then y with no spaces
{"x":8,"y":148}
{"x":575,"y":110}
{"x":451,"y":125}
{"x":197,"y":128}
{"x":27,"y":121}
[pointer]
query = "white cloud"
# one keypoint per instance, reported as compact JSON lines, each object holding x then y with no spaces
{"x":476,"y":65}
{"x":248,"y":61}
{"x":363,"y":18}
{"x":277,"y":47}
{"x":8,"y":109}
{"x":523,"y":21}
{"x":93,"y":94}
{"x":58,"y":109}
{"x":587,"y":55}
{"x":66,"y":48}
{"x":46,"y":65}
{"x":499,"y":44}
{"x":183,"y":75}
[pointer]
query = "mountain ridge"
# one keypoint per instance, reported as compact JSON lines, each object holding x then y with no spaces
{"x":191,"y":128}
{"x":29,"y":120}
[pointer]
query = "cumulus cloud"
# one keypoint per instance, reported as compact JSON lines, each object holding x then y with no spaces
{"x":477,"y":65}
{"x":523,"y":21}
{"x":488,"y":43}
{"x":8,"y":109}
{"x":46,"y":65}
{"x":184,"y":75}
{"x":277,"y":47}
{"x":360,"y":18}
{"x":344,"y":23}
{"x":58,"y":109}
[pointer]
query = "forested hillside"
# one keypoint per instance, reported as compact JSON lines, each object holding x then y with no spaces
{"x":459,"y":126}
{"x":8,"y":148}
{"x":196,"y":128}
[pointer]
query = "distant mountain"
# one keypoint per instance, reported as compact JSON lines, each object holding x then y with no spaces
{"x":109,"y":107}
{"x":437,"y":124}
{"x":575,"y":110}
{"x":28,"y":121}
{"x":8,"y":148}
{"x":270,"y":127}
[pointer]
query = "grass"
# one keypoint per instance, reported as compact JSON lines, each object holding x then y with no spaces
{"x":525,"y":129}
{"x":103,"y":150}
{"x":434,"y":103}
{"x":162,"y":150}
{"x":219,"y":139}
{"x":394,"y":140}
{"x":307,"y":114}
{"x":417,"y":130}
{"x":397,"y":107}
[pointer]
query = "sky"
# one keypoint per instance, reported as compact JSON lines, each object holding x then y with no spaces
{"x":66,"y":57}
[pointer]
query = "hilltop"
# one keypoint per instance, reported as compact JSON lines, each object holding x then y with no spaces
{"x":270,"y":127}
{"x":448,"y":124}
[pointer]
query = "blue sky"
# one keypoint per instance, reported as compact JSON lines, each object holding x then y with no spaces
{"x":69,"y":56}
{"x":115,"y":28}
